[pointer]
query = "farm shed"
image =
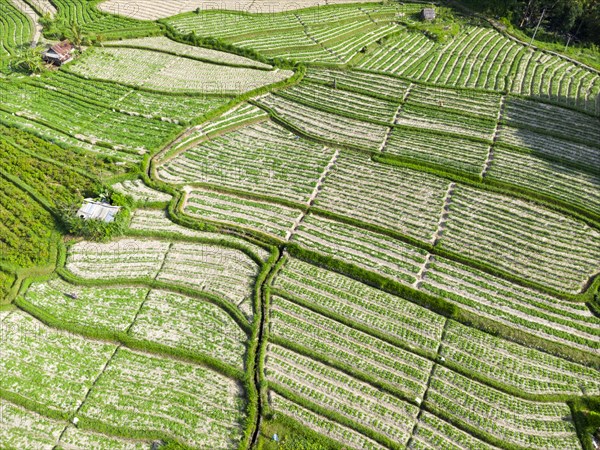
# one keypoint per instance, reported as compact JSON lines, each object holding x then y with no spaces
{"x":92,"y":209}
{"x":59,"y":54}
{"x":428,"y":14}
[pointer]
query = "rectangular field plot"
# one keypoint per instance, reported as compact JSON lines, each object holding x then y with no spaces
{"x":393,"y":316}
{"x":164,"y":44}
{"x":572,"y":186}
{"x":155,"y":221}
{"x":553,"y":120}
{"x":375,"y":85}
{"x":522,"y":368}
{"x":341,"y":102}
{"x":125,"y":99}
{"x":190,"y":403}
{"x":432,"y":433}
{"x":550,"y":147}
{"x":507,"y":418}
{"x":169,"y":73}
{"x":275,"y":220}
{"x":371,"y":251}
{"x":220,"y":271}
{"x":263,"y":159}
{"x":106,"y":308}
{"x":344,"y":345}
{"x":327,"y":126}
{"x":351,"y":438}
{"x":430,"y":148}
{"x":48,"y":367}
{"x":567,"y":323}
{"x":403,"y":200}
{"x":528,"y":240}
{"x":190,"y":324}
{"x":445,"y":120}
{"x":339,"y":393}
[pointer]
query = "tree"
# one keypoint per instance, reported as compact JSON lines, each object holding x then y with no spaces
{"x":30,"y":60}
{"x":76,"y":35}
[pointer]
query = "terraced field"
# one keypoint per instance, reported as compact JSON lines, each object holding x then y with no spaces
{"x":335,"y":232}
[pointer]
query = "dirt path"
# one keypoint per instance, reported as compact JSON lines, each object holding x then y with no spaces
{"x":29,"y":12}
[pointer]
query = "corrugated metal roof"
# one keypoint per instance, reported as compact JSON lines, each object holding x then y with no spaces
{"x":92,"y":209}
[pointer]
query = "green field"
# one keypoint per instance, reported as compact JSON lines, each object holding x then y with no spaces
{"x":340,"y":228}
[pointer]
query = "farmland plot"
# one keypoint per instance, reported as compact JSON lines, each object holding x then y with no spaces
{"x":193,"y":404}
{"x":190,"y":324}
{"x":393,"y":316}
{"x":16,"y":29}
{"x":134,"y":102}
{"x":329,"y":127}
{"x":20,"y":428}
{"x":349,"y":437}
{"x":507,"y":418}
{"x":368,"y":250}
{"x":169,"y":73}
{"x":51,"y":368}
{"x":403,"y":200}
{"x":344,"y":345}
{"x":263,"y":159}
{"x":572,"y":186}
{"x":137,"y":190}
{"x":528,"y":240}
{"x":346,"y":103}
{"x":433,"y":433}
{"x":77,"y":439}
{"x":552,"y":120}
{"x":550,"y":147}
{"x":430,"y":148}
{"x":107,"y":308}
{"x":161,"y":43}
{"x":339,"y":393}
{"x":275,"y":220}
{"x":375,"y":85}
{"x":219,"y":271}
{"x":567,"y":323}
{"x":522,"y":368}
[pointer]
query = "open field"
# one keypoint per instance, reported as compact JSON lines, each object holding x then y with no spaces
{"x":340,"y":226}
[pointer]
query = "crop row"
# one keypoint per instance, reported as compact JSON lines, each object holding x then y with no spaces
{"x":335,"y":391}
{"x":550,"y":147}
{"x":344,"y":103}
{"x":342,"y":296}
{"x":16,"y":29}
{"x":351,"y":438}
{"x":263,"y":159}
{"x":539,"y":175}
{"x":499,"y":415}
{"x":134,"y":102}
{"x":221,"y":271}
{"x":137,"y":190}
{"x":373,"y":85}
{"x":21,"y":428}
{"x":329,"y":127}
{"x":510,"y":365}
{"x":355,"y":350}
{"x":400,"y":199}
{"x":520,"y":308}
{"x":274,"y":220}
{"x":159,"y":317}
{"x":439,"y":150}
{"x":533,"y":242}
{"x":150,"y":395}
{"x":155,"y":222}
{"x":170,"y":73}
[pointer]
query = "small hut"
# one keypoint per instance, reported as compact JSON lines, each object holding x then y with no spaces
{"x":59,"y":54}
{"x":428,"y":14}
{"x":92,"y":209}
